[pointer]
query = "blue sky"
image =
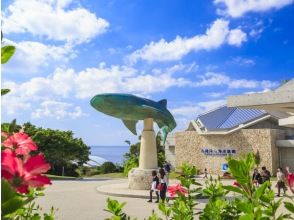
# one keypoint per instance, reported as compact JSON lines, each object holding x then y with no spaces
{"x":193,"y":54}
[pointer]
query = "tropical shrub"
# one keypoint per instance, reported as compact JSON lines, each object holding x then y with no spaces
{"x":107,"y":167}
{"x":248,"y":203}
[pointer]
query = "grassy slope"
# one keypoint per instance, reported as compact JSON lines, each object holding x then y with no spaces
{"x":54,"y":177}
{"x":110,"y":175}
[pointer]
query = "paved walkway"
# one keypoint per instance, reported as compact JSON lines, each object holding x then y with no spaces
{"x":80,"y":200}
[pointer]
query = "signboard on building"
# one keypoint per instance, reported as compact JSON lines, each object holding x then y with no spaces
{"x":218,"y":152}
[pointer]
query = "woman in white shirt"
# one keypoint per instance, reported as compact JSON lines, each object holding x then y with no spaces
{"x":281,"y":181}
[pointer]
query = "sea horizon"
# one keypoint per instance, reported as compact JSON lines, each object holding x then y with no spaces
{"x":111,"y":153}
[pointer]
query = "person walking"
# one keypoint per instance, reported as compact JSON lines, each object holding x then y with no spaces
{"x":154,"y":185}
{"x":167,"y":169}
{"x":205,"y":174}
{"x":290,"y":178}
{"x":281,"y":181}
{"x":256,"y":178}
{"x":162,"y":184}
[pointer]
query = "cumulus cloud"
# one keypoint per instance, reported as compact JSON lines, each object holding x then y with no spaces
{"x":237,"y":8}
{"x":237,"y":37}
{"x":63,"y":83}
{"x":58,"y":110}
{"x":31,"y":56}
{"x":216,"y":35}
{"x":68,"y":83}
{"x":220,"y":79}
{"x":53,"y":19}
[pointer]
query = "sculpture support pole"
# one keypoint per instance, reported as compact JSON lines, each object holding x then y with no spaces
{"x":148,"y":150}
{"x":141,"y":178}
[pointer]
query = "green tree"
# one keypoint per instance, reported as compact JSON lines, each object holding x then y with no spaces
{"x":64,"y":152}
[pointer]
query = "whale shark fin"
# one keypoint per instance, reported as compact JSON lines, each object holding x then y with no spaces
{"x":131,"y":125}
{"x":163,"y":103}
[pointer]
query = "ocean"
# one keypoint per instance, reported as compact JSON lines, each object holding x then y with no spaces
{"x":110,"y":153}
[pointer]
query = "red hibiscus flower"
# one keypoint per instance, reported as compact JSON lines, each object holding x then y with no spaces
{"x":173,"y":190}
{"x":21,"y":174}
{"x":21,"y":142}
{"x":236,"y":184}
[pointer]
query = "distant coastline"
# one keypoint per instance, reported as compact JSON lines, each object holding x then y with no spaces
{"x":109,"y":153}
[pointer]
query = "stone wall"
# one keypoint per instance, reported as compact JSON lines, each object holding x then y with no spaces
{"x":189,"y":145}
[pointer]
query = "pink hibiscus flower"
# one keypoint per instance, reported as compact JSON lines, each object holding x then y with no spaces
{"x":21,"y":174}
{"x":173,"y":190}
{"x":4,"y":134}
{"x":21,"y":143}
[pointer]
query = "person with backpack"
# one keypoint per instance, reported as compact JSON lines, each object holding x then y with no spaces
{"x":167,"y":169}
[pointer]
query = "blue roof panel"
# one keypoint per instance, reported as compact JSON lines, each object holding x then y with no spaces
{"x":227,"y":117}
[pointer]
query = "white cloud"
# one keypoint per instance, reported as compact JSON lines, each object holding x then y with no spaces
{"x":242,"y":61}
{"x":63,"y":83}
{"x":123,"y":79}
{"x":237,"y":37}
{"x":188,"y":112}
{"x":216,"y":35}
{"x":192,"y":110}
{"x":31,"y":56}
{"x":52,"y":19}
{"x":58,"y":110}
{"x":237,"y":8}
{"x":215,"y":94}
{"x":219,"y":79}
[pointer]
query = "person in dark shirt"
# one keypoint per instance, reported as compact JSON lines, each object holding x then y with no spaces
{"x":162,"y":184}
{"x":256,"y":178}
{"x":265,"y":176}
{"x":154,"y":185}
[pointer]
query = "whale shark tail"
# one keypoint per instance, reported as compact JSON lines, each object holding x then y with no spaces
{"x":165,"y":131}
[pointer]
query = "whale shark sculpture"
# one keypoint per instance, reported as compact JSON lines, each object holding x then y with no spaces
{"x":131,"y":109}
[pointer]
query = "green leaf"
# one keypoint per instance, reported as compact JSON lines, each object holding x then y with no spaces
{"x":233,"y":189}
{"x":4,"y":91}
{"x":247,"y":217}
{"x":7,"y":191}
{"x":260,"y":191}
{"x":6,"y":53}
{"x":11,"y":206}
{"x":289,"y":206}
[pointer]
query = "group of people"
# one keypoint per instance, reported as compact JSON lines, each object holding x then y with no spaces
{"x":160,"y":182}
{"x":265,"y":175}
